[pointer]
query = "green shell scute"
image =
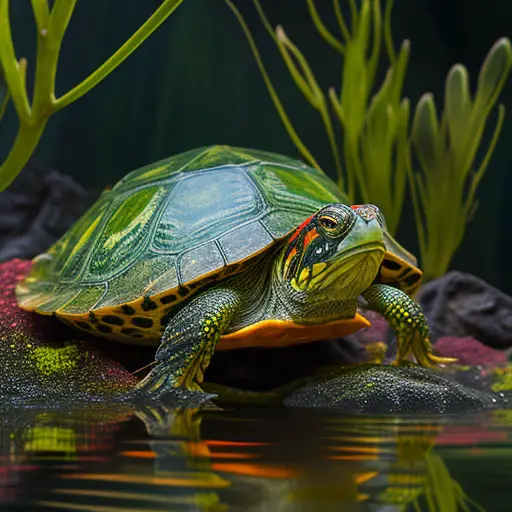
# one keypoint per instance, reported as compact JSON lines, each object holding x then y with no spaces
{"x":283,"y":185}
{"x":201,"y":207}
{"x":71,"y":252}
{"x":84,"y":300}
{"x":134,"y":281}
{"x":126,"y":234}
{"x":197,"y":159}
{"x":172,"y":222}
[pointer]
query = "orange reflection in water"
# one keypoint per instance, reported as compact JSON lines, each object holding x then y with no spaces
{"x":259,"y":470}
{"x":184,"y":480}
{"x":149,"y":454}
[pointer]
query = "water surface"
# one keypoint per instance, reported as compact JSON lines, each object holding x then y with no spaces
{"x":104,"y":459}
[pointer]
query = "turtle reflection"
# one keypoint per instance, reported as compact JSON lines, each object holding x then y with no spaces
{"x":344,"y":461}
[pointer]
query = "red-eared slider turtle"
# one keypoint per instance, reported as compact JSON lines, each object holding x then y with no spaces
{"x":221,"y":248}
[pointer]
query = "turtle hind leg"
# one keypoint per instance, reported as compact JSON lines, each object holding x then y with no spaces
{"x":407,"y":320}
{"x":188,"y":344}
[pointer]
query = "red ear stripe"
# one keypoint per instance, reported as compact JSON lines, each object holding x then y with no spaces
{"x":289,"y":258}
{"x":310,"y":236}
{"x":300,"y":228}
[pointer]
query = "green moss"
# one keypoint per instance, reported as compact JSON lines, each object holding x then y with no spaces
{"x":51,"y":439}
{"x":503,"y":379}
{"x":51,"y":361}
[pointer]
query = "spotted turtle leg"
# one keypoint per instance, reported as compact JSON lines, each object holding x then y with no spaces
{"x":406,"y":318}
{"x":188,"y":343}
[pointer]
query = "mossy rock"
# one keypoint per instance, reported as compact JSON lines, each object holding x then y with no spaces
{"x":383,"y":389}
{"x":44,"y":362}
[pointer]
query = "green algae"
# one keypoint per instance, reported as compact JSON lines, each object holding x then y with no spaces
{"x":503,"y":379}
{"x":384,"y":389}
{"x":51,"y":360}
{"x":52,"y":439}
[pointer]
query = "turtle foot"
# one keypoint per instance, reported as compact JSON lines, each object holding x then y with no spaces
{"x":418,"y":343}
{"x":164,"y":421}
{"x":160,"y":386}
{"x":172,"y":397}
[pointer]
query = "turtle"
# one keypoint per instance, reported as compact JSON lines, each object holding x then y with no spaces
{"x":223,"y":247}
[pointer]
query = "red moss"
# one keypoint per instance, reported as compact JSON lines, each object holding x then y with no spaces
{"x":469,"y":351}
{"x":11,"y":316}
{"x":22,"y":336}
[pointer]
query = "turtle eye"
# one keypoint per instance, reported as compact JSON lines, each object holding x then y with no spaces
{"x":328,"y":222}
{"x":336,"y":220}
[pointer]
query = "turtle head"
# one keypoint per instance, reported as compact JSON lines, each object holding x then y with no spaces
{"x":336,"y":253}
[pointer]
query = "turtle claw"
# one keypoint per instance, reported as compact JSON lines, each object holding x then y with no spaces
{"x":409,"y":323}
{"x":163,"y":421}
{"x":163,"y":387}
{"x":179,"y":397}
{"x":417,"y":342}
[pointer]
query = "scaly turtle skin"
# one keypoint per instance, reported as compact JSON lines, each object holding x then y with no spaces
{"x":221,"y":248}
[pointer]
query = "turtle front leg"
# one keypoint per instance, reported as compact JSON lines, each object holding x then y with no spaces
{"x":188,"y":344}
{"x":407,"y":320}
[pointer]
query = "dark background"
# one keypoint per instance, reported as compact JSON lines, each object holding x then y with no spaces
{"x":195,"y":82}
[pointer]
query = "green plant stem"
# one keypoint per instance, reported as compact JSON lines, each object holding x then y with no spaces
{"x":51,"y":27}
{"x":306,"y":82}
{"x":3,"y":104}
{"x":302,"y":75}
{"x":322,"y":29}
{"x":12,"y":74}
{"x":483,"y":166}
{"x":49,"y":41}
{"x":388,"y":38}
{"x":377,"y":39}
{"x":355,"y":16}
{"x":41,"y":13}
{"x":341,"y":22}
{"x":24,"y":145}
{"x":304,"y":151}
{"x":153,"y":22}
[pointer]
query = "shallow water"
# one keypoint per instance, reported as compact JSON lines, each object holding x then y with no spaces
{"x":102,"y":459}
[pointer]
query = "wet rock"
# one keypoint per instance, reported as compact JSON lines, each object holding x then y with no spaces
{"x":462,"y":305}
{"x":41,"y":360}
{"x":383,"y":389}
{"x":36,"y":210}
{"x":469,"y":351}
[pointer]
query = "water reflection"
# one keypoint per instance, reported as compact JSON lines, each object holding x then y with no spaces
{"x":102,"y":459}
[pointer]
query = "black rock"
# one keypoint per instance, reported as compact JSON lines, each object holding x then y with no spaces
{"x":383,"y":389}
{"x":38,"y":208}
{"x":462,"y":305}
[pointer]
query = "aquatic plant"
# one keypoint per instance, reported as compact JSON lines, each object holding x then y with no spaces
{"x":444,"y":188}
{"x":441,"y":491}
{"x":4,"y":94}
{"x":372,"y":156}
{"x":51,"y":24}
{"x":375,"y":156}
{"x":420,"y":480}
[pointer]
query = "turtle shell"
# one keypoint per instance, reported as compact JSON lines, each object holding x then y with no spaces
{"x":168,"y":229}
